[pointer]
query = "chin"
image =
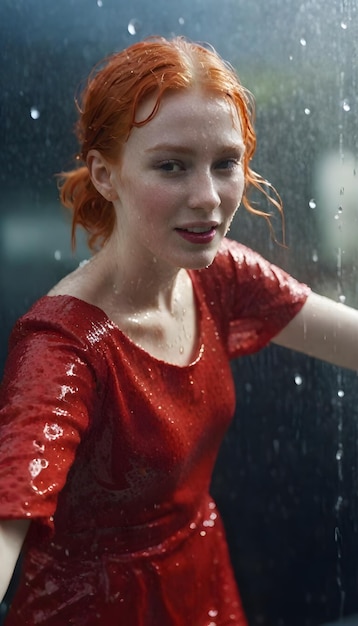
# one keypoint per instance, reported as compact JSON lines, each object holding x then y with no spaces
{"x":201,"y":261}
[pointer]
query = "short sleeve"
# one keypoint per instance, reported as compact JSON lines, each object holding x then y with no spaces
{"x":47,"y":396}
{"x":252,"y":299}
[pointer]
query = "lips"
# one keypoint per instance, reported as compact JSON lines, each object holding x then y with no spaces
{"x":198,"y":234}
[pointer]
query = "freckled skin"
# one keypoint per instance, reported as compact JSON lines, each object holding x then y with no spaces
{"x":183,"y":167}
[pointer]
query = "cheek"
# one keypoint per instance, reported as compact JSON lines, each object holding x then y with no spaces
{"x":237,"y":190}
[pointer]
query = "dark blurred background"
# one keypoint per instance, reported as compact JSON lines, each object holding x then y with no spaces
{"x":286,"y":479}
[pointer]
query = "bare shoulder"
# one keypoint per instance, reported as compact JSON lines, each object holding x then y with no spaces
{"x":78,"y":283}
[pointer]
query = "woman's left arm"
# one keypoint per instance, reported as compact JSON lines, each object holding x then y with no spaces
{"x":323,"y":329}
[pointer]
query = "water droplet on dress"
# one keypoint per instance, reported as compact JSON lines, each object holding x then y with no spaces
{"x":312,"y":203}
{"x":38,"y":446}
{"x":342,"y":298}
{"x":314,"y":256}
{"x":35,"y":113}
{"x":133,"y":26}
{"x":298,"y":379}
{"x":52,"y":431}
{"x":303,"y":42}
{"x":181,"y":21}
{"x":344,"y":25}
{"x":340,"y":393}
{"x":99,"y":3}
{"x":213,"y":613}
{"x":57,"y":255}
{"x":36,"y":466}
{"x":339,"y":454}
{"x":307,"y":111}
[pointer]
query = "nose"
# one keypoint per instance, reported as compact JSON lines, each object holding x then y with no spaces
{"x":204,"y":192}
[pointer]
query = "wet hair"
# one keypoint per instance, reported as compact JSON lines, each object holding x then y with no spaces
{"x":107,"y":113}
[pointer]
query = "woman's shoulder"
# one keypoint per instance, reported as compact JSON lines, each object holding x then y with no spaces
{"x":77,"y":283}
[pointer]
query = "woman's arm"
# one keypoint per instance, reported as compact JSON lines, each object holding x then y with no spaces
{"x":12,"y":535}
{"x":324,"y":329}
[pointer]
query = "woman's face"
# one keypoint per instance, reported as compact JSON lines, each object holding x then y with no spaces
{"x":179,"y":180}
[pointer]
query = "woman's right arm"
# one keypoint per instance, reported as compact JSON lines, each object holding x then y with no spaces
{"x":12,"y":535}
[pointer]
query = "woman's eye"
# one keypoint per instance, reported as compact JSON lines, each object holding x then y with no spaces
{"x":228,"y":164}
{"x":171,"y":167}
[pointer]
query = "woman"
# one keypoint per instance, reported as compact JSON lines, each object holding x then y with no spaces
{"x":118,"y":390}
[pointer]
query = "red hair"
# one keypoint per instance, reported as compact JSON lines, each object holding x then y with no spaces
{"x":108,"y":107}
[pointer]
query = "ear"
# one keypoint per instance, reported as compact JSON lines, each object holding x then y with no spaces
{"x":100,"y":173}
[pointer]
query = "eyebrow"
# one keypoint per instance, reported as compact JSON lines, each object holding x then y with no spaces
{"x":170,"y":147}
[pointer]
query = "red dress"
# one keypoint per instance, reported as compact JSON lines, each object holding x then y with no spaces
{"x":110,"y":452}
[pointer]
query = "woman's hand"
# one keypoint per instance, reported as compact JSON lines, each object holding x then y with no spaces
{"x":12,"y":535}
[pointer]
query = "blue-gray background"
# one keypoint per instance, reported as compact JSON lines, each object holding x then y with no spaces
{"x":286,"y":479}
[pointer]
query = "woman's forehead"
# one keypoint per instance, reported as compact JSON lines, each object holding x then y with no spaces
{"x":178,"y":109}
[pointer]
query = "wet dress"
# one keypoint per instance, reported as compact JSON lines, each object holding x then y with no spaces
{"x":109,"y":451}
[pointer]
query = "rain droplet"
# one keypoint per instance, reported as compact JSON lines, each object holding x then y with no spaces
{"x":181,"y":21}
{"x":312,"y":203}
{"x":346,"y":106}
{"x":307,"y":111}
{"x":133,"y":26}
{"x":298,"y":379}
{"x":339,"y":454}
{"x":303,"y":42}
{"x":57,"y":255}
{"x":344,"y":25}
{"x":342,"y":298}
{"x":340,"y":393}
{"x":35,"y":113}
{"x":338,"y":506}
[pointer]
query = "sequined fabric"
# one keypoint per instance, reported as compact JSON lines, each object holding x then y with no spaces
{"x":109,"y":452}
